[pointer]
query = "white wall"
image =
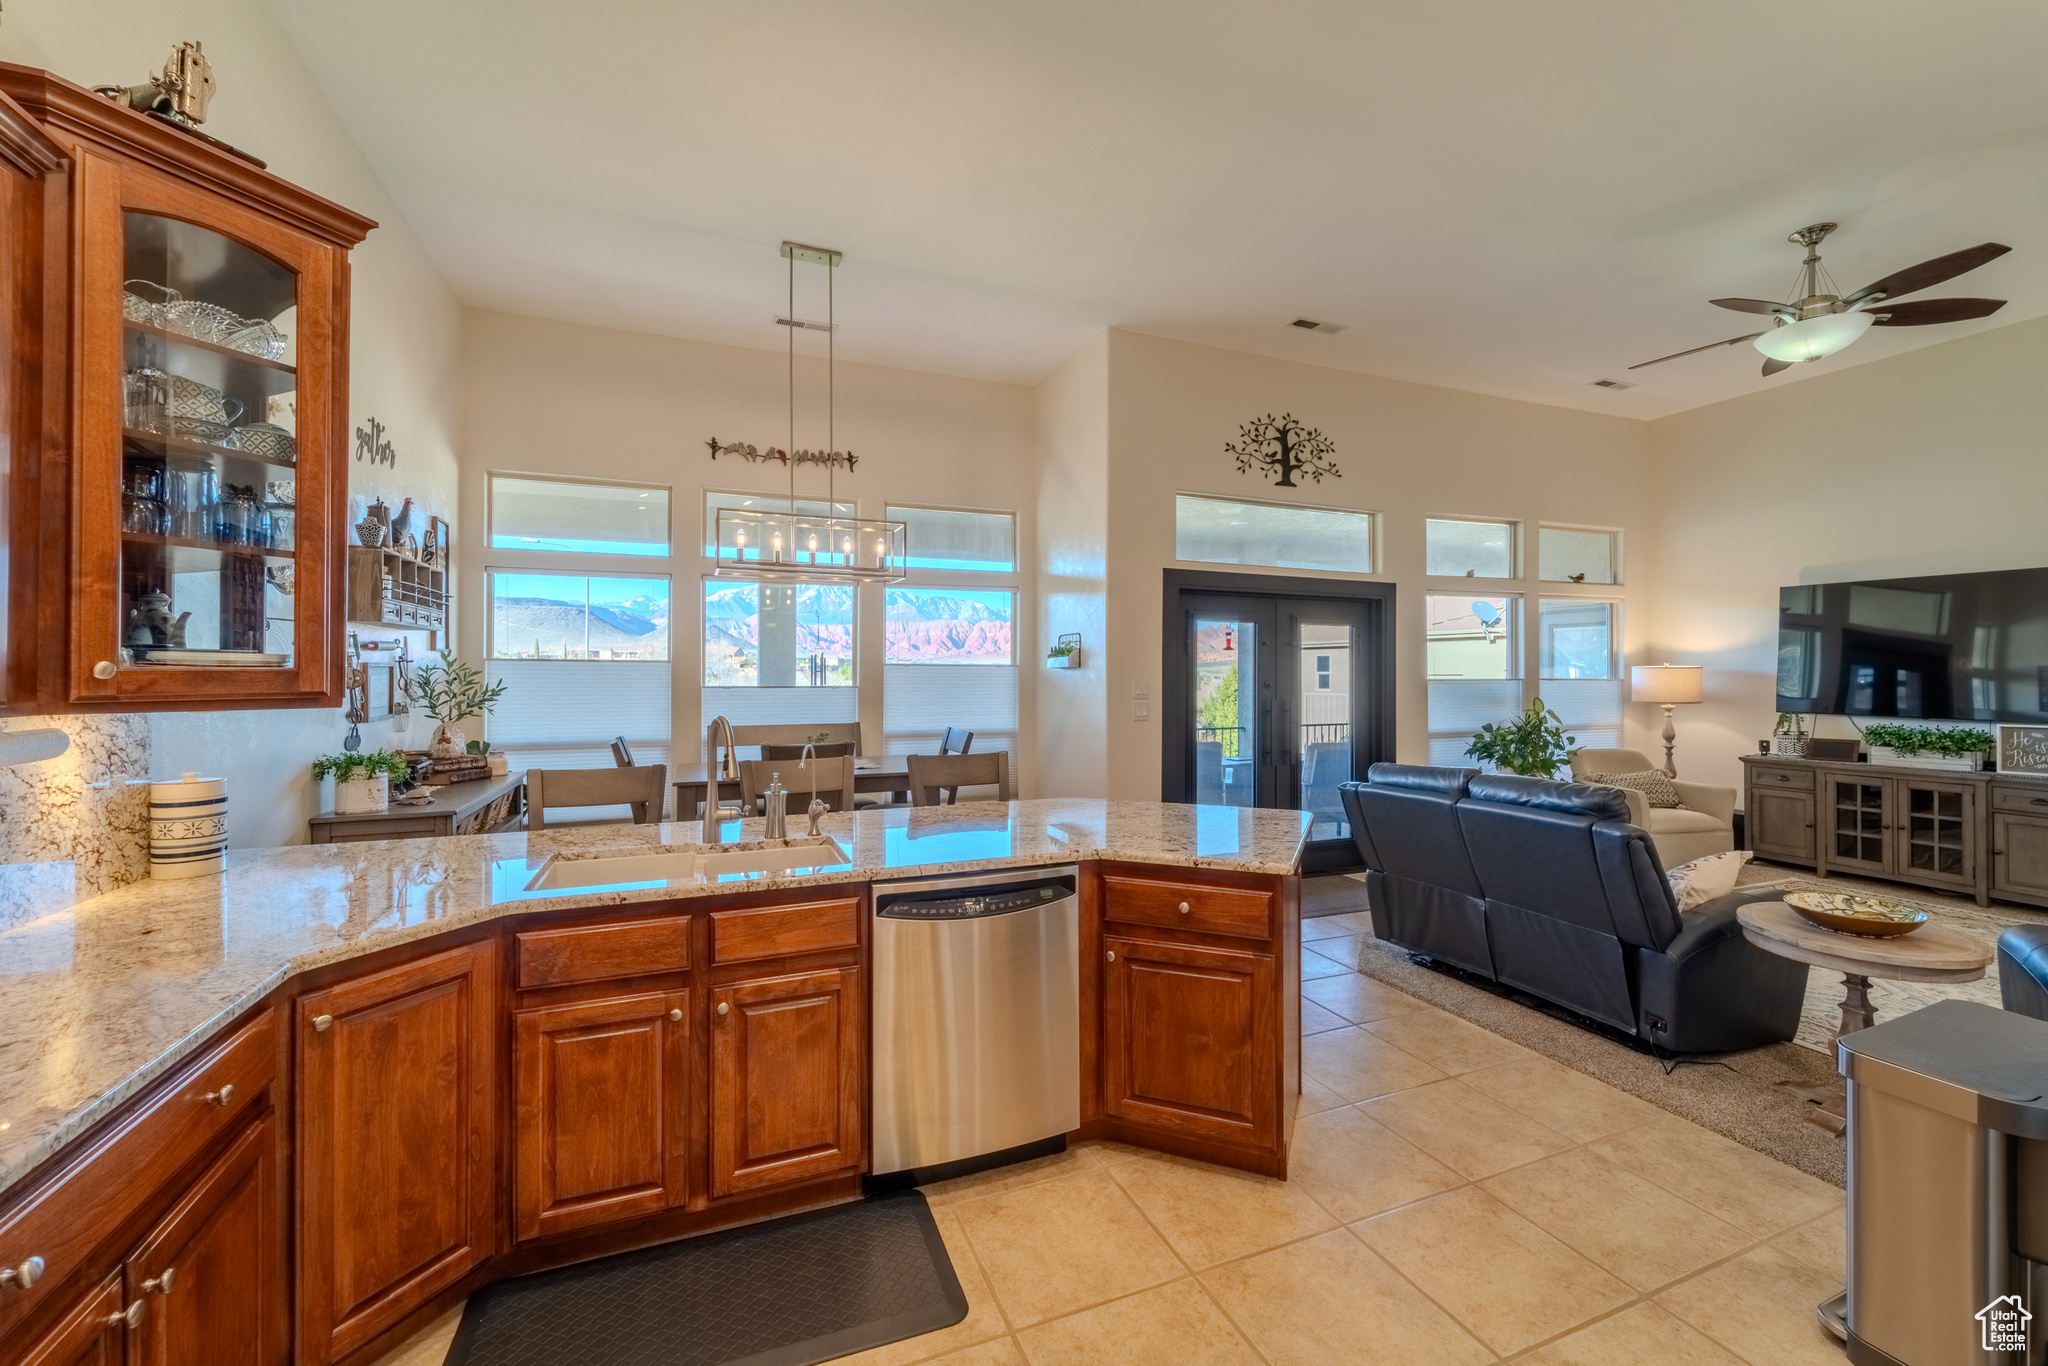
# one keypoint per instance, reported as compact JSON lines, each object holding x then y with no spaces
{"x":1925,"y":463}
{"x":405,"y":327}
{"x":1073,"y":572}
{"x":545,"y":397}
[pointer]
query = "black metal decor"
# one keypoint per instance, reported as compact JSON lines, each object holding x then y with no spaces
{"x":1284,"y":447}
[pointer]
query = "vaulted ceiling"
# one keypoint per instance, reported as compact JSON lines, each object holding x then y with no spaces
{"x":1493,"y":195}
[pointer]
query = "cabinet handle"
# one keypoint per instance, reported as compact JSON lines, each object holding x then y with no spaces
{"x":1183,"y":908}
{"x":104,"y":669}
{"x":161,"y":1285}
{"x":724,"y":1008}
{"x":678,"y":1015}
{"x":320,"y":1023}
{"x":130,"y":1318}
{"x":25,"y":1275}
{"x":1112,"y":955}
{"x":2038,"y":801}
{"x":223,"y":1097}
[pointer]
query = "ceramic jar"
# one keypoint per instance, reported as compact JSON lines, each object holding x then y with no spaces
{"x":188,"y":827}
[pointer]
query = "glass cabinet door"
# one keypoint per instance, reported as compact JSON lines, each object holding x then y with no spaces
{"x":209,"y":530}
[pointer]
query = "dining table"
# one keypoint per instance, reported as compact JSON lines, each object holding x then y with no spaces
{"x":888,"y":773}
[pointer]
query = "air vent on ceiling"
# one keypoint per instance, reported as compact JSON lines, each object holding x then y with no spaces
{"x":1311,"y":325}
{"x":807,"y":323}
{"x":1613,"y":384}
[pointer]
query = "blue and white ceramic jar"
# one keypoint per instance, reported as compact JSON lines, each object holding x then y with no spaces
{"x":188,"y":827}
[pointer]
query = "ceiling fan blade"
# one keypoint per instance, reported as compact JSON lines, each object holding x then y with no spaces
{"x":1933,"y":272}
{"x":1732,"y":341}
{"x":1773,"y":366}
{"x":1920,"y":312}
{"x":1752,"y":305}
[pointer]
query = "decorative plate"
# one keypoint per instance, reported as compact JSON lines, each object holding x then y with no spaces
{"x":1847,"y":913}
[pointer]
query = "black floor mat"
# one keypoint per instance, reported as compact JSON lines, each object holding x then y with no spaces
{"x":796,"y":1291}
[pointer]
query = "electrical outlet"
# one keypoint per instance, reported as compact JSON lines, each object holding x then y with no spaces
{"x":1141,"y":711}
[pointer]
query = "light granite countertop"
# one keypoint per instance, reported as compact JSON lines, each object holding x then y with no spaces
{"x":99,"y":999}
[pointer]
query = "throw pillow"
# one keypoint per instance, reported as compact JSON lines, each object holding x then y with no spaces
{"x":1651,"y":782}
{"x":1694,"y":884}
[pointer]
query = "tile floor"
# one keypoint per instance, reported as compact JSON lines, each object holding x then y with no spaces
{"x":1455,"y":1199}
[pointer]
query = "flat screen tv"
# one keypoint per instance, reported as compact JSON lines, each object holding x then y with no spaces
{"x":1963,"y":647}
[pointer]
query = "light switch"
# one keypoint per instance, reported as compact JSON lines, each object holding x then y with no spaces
{"x":1141,"y":711}
{"x":1141,"y":687}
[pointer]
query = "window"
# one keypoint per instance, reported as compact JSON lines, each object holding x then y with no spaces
{"x":1474,"y":657}
{"x":571,"y":616}
{"x":932,"y":640}
{"x":777,"y":635}
{"x":573,"y":516}
{"x":1468,"y":549}
{"x":714,"y":503}
{"x":1573,"y":555}
{"x":946,"y":626}
{"x":946,"y":539}
{"x":1221,"y":531}
{"x":1576,"y":658}
{"x":1323,"y":673}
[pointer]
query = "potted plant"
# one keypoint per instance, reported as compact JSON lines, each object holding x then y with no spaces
{"x":481,"y":749}
{"x":1958,"y":748}
{"x":1789,"y":738}
{"x":362,"y":782}
{"x":1533,"y":744}
{"x":1065,"y":655}
{"x":451,"y":692}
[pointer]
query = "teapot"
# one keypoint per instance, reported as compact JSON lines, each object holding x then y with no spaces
{"x":150,"y":621}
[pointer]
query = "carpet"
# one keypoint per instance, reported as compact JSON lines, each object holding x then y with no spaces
{"x":1332,"y":894}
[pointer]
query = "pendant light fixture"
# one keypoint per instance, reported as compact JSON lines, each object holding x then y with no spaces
{"x":763,"y":545}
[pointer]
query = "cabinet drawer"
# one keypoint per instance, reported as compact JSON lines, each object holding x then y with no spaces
{"x":1797,"y":778}
{"x":100,"y":1188}
{"x":779,"y":931}
{"x":598,"y":953}
{"x":2034,"y":799}
{"x":1188,"y":906}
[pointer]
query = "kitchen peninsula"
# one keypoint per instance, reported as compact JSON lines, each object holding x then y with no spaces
{"x":419,"y":1069}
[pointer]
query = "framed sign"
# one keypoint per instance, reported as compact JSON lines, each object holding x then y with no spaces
{"x":2023,"y":751}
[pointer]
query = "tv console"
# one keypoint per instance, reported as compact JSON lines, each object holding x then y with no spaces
{"x":1977,"y":834}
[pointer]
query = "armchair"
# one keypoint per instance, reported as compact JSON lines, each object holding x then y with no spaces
{"x":1704,"y":825}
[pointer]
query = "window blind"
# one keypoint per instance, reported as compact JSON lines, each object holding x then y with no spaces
{"x":1589,"y":707}
{"x":919,"y":701}
{"x":564,"y":713}
{"x":780,"y":707}
{"x":1460,"y":706}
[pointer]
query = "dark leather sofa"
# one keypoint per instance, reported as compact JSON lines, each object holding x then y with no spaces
{"x":1545,"y":886}
{"x":2023,"y":970}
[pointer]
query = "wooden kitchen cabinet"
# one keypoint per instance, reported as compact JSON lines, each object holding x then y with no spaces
{"x":2019,"y":856}
{"x":397,"y":1143}
{"x":93,"y":1332}
{"x":601,"y":1110}
{"x":1190,"y":1034}
{"x":788,"y":1079}
{"x":1780,"y":823}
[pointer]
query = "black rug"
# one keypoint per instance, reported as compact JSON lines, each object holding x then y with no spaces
{"x":792,"y":1292}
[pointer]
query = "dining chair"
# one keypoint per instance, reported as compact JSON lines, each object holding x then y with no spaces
{"x":957,"y":741}
{"x":936,"y":779}
{"x":622,"y":753}
{"x":637,"y":787}
{"x":830,"y":779}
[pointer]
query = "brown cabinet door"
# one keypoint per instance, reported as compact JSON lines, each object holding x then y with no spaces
{"x":1858,"y":815}
{"x":2019,"y":856}
{"x":94,"y":1332}
{"x":1191,"y":1040}
{"x":602,"y":1111}
{"x":1781,"y":824}
{"x":397,"y":1143}
{"x":787,"y":1079}
{"x":212,"y":1273}
{"x":1934,"y":831}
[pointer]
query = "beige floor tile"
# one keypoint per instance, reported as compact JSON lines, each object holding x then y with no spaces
{"x":1359,"y":1065}
{"x":1760,"y":1306}
{"x":1351,"y":922}
{"x":1330,"y":1300}
{"x":1354,"y":1166}
{"x":1507,"y":1281}
{"x":1757,"y":1194}
{"x":1472,"y":1134}
{"x":1576,"y":1105}
{"x":1359,"y":998}
{"x":1324,"y":927}
{"x":984,"y":1320}
{"x":1174,"y":1325}
{"x":1058,"y":1246}
{"x":1446,"y":1042}
{"x":1819,"y":1243}
{"x":1344,"y":949}
{"x":1083,"y":1158}
{"x":1643,"y":1335}
{"x":1316,"y":1097}
{"x":1212,"y":1214}
{"x":1637,"y":1232}
{"x":1314,"y":965}
{"x":1108,"y":1152}
{"x":1315,"y":1019}
{"x":429,"y":1346}
{"x":1001,"y":1352}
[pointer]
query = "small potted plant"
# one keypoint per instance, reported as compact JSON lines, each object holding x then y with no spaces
{"x":451,"y":692}
{"x":1533,"y":744}
{"x":362,"y":782}
{"x":1959,"y":748}
{"x":481,"y":749}
{"x":1065,"y":655}
{"x":1789,"y":738}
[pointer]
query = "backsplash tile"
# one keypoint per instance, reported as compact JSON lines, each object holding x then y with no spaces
{"x":77,"y":825}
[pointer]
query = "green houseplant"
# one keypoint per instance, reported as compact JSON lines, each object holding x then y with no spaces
{"x":451,"y":692}
{"x":1790,"y":734}
{"x":1957,"y":747}
{"x":363,"y":781}
{"x":1534,"y":744}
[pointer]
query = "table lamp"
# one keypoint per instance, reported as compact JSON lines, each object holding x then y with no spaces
{"x":1668,"y":685}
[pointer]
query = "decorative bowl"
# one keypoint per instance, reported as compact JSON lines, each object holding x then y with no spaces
{"x":1846,"y":913}
{"x":203,"y":429}
{"x":264,"y":438}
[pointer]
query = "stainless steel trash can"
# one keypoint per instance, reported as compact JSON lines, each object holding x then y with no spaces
{"x":1948,"y":1188}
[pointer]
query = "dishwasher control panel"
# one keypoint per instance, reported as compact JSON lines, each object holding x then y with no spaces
{"x":972,"y":907}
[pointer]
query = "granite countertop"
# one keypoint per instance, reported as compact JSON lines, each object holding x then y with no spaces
{"x":99,"y":999}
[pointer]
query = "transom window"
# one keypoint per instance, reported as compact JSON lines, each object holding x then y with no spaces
{"x":1578,"y":555}
{"x":577,"y":517}
{"x":953,"y":540}
{"x":1469,"y":548}
{"x":1225,"y":531}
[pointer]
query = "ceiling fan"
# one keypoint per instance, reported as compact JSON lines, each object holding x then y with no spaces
{"x":1819,"y":321}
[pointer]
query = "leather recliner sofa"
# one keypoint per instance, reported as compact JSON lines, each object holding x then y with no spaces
{"x":2023,"y":970}
{"x":1546,"y":887}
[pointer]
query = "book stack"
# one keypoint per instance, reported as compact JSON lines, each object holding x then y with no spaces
{"x":468,"y":769}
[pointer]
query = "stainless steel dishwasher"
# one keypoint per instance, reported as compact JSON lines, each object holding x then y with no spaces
{"x":977,"y":1006}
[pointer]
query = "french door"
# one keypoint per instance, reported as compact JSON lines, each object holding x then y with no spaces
{"x":1275,"y":698}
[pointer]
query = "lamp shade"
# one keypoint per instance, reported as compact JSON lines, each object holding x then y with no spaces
{"x":1812,"y":338}
{"x":1667,"y":683}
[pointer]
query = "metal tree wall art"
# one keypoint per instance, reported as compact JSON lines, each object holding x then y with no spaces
{"x":1280,"y":446}
{"x":841,"y":459}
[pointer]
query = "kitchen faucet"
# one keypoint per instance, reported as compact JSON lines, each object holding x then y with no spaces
{"x":725,"y":769}
{"x":817,"y":807}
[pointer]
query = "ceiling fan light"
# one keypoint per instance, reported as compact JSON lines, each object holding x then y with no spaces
{"x":1812,"y":338}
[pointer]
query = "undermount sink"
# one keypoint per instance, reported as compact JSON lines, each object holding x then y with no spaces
{"x":688,"y":867}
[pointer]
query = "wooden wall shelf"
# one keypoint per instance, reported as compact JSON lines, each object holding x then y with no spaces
{"x":389,"y":588}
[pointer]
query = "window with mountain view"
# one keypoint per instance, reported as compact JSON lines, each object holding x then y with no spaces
{"x":574,"y":616}
{"x":927,"y":635}
{"x":559,"y":642}
{"x":947,"y":626}
{"x":777,"y":635}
